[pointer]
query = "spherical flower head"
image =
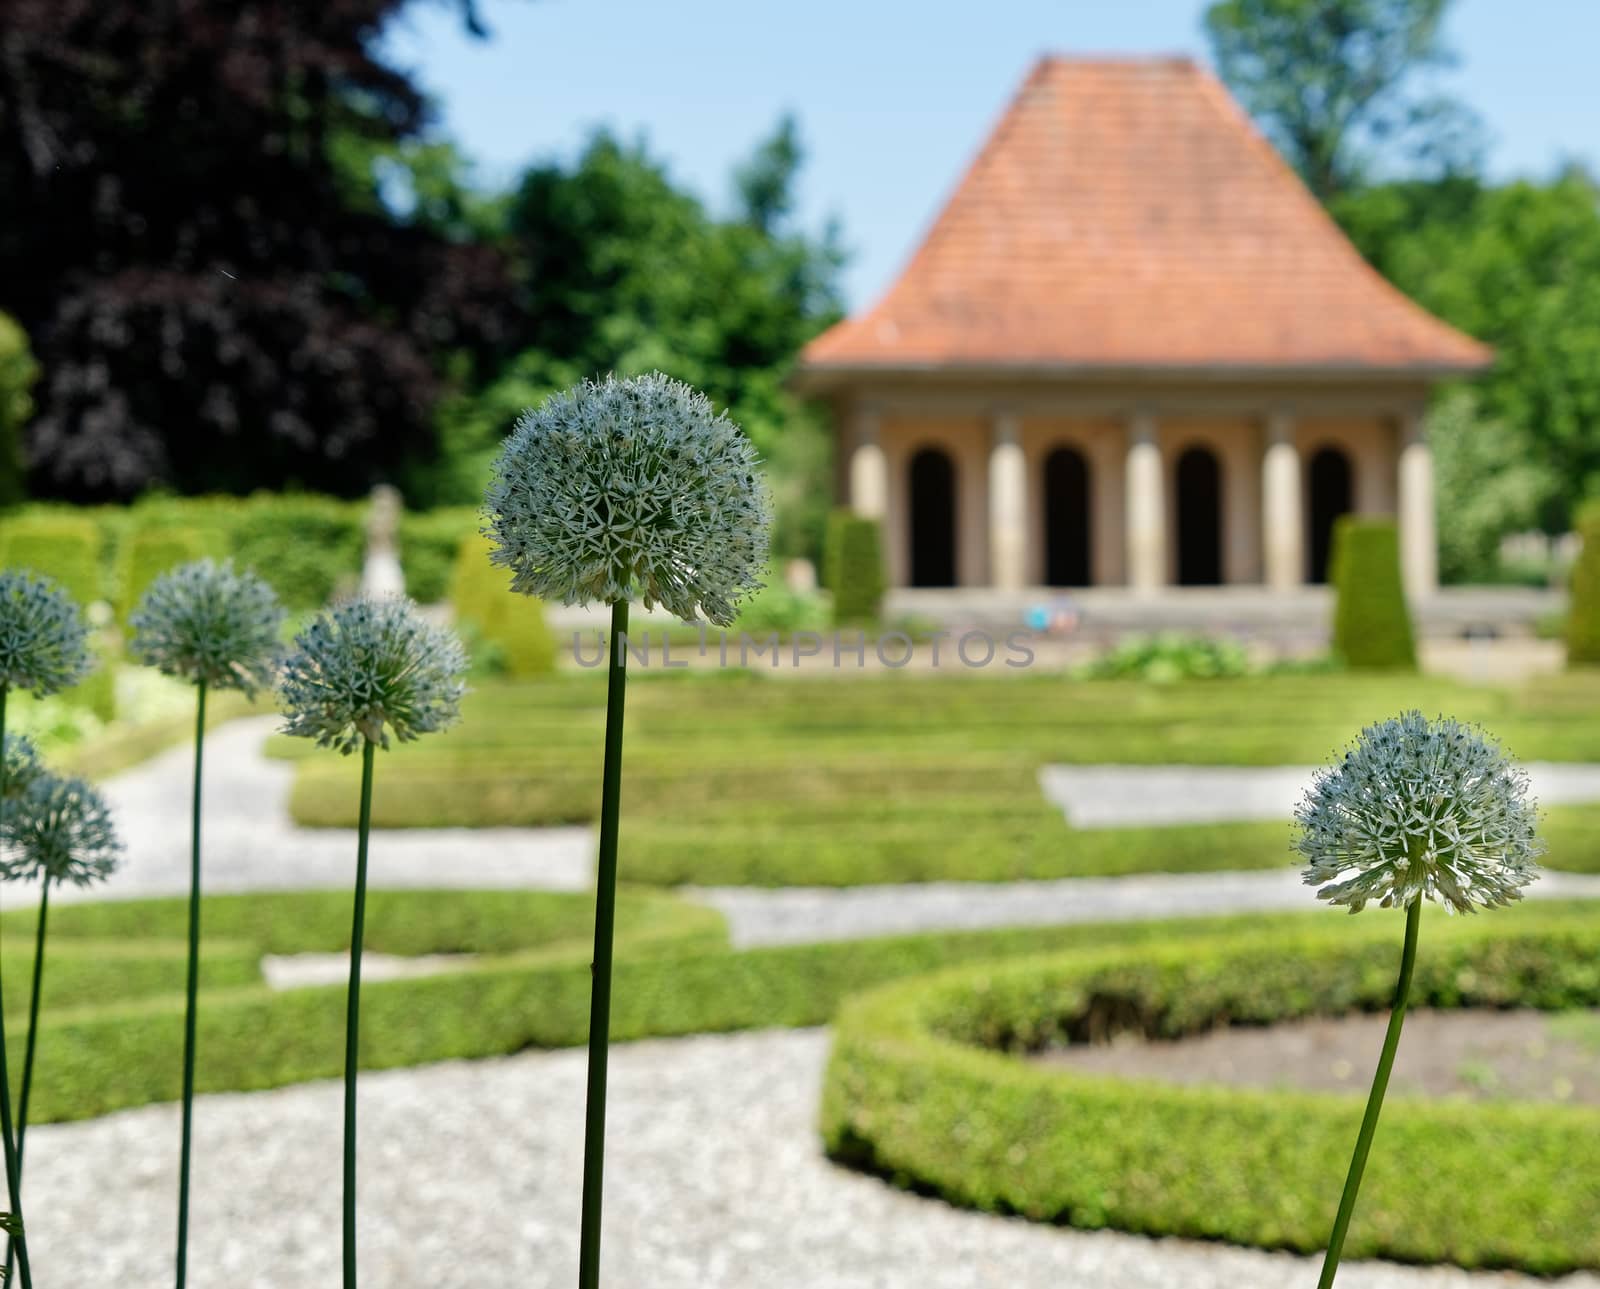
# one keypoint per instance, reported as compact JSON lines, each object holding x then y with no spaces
{"x":22,"y":765}
{"x":369,"y":668}
{"x":628,"y":488}
{"x":1419,"y":808}
{"x":43,"y":642}
{"x":60,"y":829}
{"x":204,"y":622}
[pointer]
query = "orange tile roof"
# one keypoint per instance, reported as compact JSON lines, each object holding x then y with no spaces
{"x":1126,"y":214}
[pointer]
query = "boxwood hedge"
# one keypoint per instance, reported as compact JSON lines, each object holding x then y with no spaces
{"x":925,"y":1085}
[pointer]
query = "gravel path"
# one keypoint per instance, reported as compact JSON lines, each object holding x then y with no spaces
{"x":470,"y":1181}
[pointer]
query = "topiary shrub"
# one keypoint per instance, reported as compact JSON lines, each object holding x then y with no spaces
{"x":305,"y":547}
{"x":429,"y":544}
{"x":150,"y":552}
{"x":1371,"y":624}
{"x":508,"y":630}
{"x":59,"y":545}
{"x":853,"y":568}
{"x":1583,"y":614}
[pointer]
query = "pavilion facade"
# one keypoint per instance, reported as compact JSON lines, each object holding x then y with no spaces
{"x":1133,"y":351}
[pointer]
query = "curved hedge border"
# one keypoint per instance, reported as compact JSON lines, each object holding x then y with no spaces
{"x":924,"y":1086}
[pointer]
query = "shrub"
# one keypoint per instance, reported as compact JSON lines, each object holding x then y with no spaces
{"x":925,"y":1084}
{"x":509,"y":630}
{"x":18,"y":371}
{"x":1168,"y":657}
{"x":853,"y":568}
{"x":59,"y":545}
{"x":1371,"y":624}
{"x":429,"y":544}
{"x":307,"y":548}
{"x":150,"y":552}
{"x":1583,"y":615}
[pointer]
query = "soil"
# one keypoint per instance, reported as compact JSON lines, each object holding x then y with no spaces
{"x":1468,"y":1055}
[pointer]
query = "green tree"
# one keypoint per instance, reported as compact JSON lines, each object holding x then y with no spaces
{"x":1518,"y":266}
{"x":1337,"y":83}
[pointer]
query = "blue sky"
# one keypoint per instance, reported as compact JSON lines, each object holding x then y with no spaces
{"x":894,"y":97}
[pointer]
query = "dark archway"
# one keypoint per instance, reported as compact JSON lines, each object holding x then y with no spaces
{"x":933,"y":519}
{"x":1199,"y":519}
{"x":1066,"y":518}
{"x":1330,"y":497}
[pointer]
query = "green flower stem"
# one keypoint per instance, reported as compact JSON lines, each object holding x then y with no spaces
{"x":27,"y":1059}
{"x":352,"y":1021}
{"x":594,"y":1126}
{"x":1380,"y":1085}
{"x":13,"y":1176}
{"x":193,"y":984}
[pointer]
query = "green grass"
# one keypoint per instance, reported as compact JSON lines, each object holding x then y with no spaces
{"x":744,"y":778}
{"x":925,"y":1086}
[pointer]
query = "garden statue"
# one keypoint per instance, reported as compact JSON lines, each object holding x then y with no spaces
{"x":381,"y":574}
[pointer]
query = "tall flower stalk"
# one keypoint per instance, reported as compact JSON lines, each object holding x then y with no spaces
{"x":359,"y":673}
{"x":607,"y":492}
{"x":58,"y":832}
{"x":1416,"y":810}
{"x":217,"y":629}
{"x":43,"y":649}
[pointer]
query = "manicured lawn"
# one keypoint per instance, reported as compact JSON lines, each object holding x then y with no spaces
{"x":751,"y":778}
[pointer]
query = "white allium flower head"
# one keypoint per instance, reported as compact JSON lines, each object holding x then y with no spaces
{"x":203,"y":621}
{"x":1420,"y":808}
{"x":60,"y":829}
{"x":630,"y":487}
{"x":368,"y":668}
{"x":43,"y":642}
{"x":22,"y":765}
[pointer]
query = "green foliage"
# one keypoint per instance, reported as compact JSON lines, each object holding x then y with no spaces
{"x":853,"y":568}
{"x":776,"y":608}
{"x":1332,"y":82}
{"x":1518,"y":267}
{"x":1583,"y":614}
{"x":1371,"y":624}
{"x":925,"y":1084}
{"x":507,"y":633}
{"x":59,"y":545}
{"x":305,"y":547}
{"x":1169,"y":656}
{"x":18,"y":371}
{"x":150,"y":552}
{"x":429,"y":544}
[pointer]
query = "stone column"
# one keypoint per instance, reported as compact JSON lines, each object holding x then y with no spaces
{"x":869,"y":473}
{"x":1147,"y":507}
{"x":1419,"y":543}
{"x":1008,"y":504}
{"x":1283,"y":524}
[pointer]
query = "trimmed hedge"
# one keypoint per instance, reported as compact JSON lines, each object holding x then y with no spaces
{"x":150,"y":552}
{"x":924,"y":1085}
{"x":505,"y":631}
{"x":429,"y":545}
{"x":1371,"y":623}
{"x":1583,"y":615}
{"x":853,"y":568}
{"x":57,"y":544}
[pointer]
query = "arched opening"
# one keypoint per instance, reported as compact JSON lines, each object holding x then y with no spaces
{"x":1199,"y":519}
{"x":1330,"y":498}
{"x":933,"y":519}
{"x":1066,"y":518}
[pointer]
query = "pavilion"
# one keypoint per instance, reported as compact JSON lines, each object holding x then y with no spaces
{"x":1133,"y":351}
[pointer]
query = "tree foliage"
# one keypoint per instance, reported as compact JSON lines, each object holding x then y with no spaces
{"x":1517,"y":266}
{"x":18,"y":371}
{"x":1335,"y":83}
{"x":209,"y":308}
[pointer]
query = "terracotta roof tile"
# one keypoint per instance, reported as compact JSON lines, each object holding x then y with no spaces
{"x":1127,"y":214}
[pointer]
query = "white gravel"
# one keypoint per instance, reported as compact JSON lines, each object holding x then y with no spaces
{"x":470,"y":1176}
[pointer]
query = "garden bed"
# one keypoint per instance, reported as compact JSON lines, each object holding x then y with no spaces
{"x":928,"y":1085}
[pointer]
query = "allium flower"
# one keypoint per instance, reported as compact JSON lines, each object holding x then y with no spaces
{"x":369,"y":667}
{"x":60,"y":829}
{"x":43,"y":644}
{"x":1420,"y":808}
{"x":22,"y":765}
{"x":630,"y":487}
{"x":205,"y":622}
